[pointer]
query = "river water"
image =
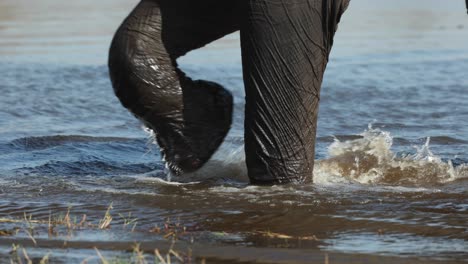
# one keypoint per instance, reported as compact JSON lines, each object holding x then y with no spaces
{"x":391,"y":177}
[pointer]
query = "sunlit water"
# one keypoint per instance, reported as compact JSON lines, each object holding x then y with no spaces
{"x":391,"y":176}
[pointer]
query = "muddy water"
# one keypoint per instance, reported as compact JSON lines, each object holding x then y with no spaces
{"x":391,"y":178}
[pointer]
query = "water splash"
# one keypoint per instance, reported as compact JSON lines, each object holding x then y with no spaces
{"x":425,"y":154}
{"x":366,"y":160}
{"x":370,"y":160}
{"x":227,"y":164}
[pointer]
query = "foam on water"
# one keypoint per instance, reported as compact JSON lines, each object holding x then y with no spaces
{"x":227,"y":163}
{"x":370,"y":160}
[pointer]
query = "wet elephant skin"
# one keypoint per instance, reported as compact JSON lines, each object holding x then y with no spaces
{"x":285,"y":49}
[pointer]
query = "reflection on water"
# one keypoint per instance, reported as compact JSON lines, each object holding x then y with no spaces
{"x":59,"y":31}
{"x":395,"y":188}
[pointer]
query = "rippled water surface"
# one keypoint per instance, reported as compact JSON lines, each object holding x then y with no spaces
{"x":390,"y":183}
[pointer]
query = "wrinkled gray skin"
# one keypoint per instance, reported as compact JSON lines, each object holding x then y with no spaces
{"x":285,"y":49}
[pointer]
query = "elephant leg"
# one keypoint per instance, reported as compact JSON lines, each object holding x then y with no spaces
{"x":285,"y":49}
{"x":190,"y":118}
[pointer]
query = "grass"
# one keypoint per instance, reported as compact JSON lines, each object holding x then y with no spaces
{"x":139,"y":257}
{"x":69,"y":223}
{"x":66,"y":224}
{"x":19,"y":255}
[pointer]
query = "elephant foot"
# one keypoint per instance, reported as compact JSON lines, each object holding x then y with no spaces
{"x":189,"y":118}
{"x":186,"y":146}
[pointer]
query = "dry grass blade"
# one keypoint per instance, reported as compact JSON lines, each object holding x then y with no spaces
{"x":128,"y":220}
{"x":106,"y":221}
{"x":139,"y":254}
{"x":50,"y":229}
{"x":175,"y":254}
{"x":6,"y":233}
{"x":101,"y":257}
{"x":31,"y":237}
{"x":170,"y":234}
{"x":67,"y":219}
{"x":83,"y":220}
{"x":26,"y":257}
{"x":85,"y":261}
{"x":16,"y":221}
{"x":158,"y":255}
{"x":45,"y":259}
{"x":14,"y":251}
{"x":283,"y":236}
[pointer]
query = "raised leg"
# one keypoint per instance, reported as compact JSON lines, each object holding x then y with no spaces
{"x":285,"y":49}
{"x":190,"y":118}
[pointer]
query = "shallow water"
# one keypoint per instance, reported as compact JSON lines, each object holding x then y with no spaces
{"x":391,"y":177}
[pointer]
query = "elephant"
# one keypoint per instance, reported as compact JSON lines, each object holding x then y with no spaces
{"x":285,"y":46}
